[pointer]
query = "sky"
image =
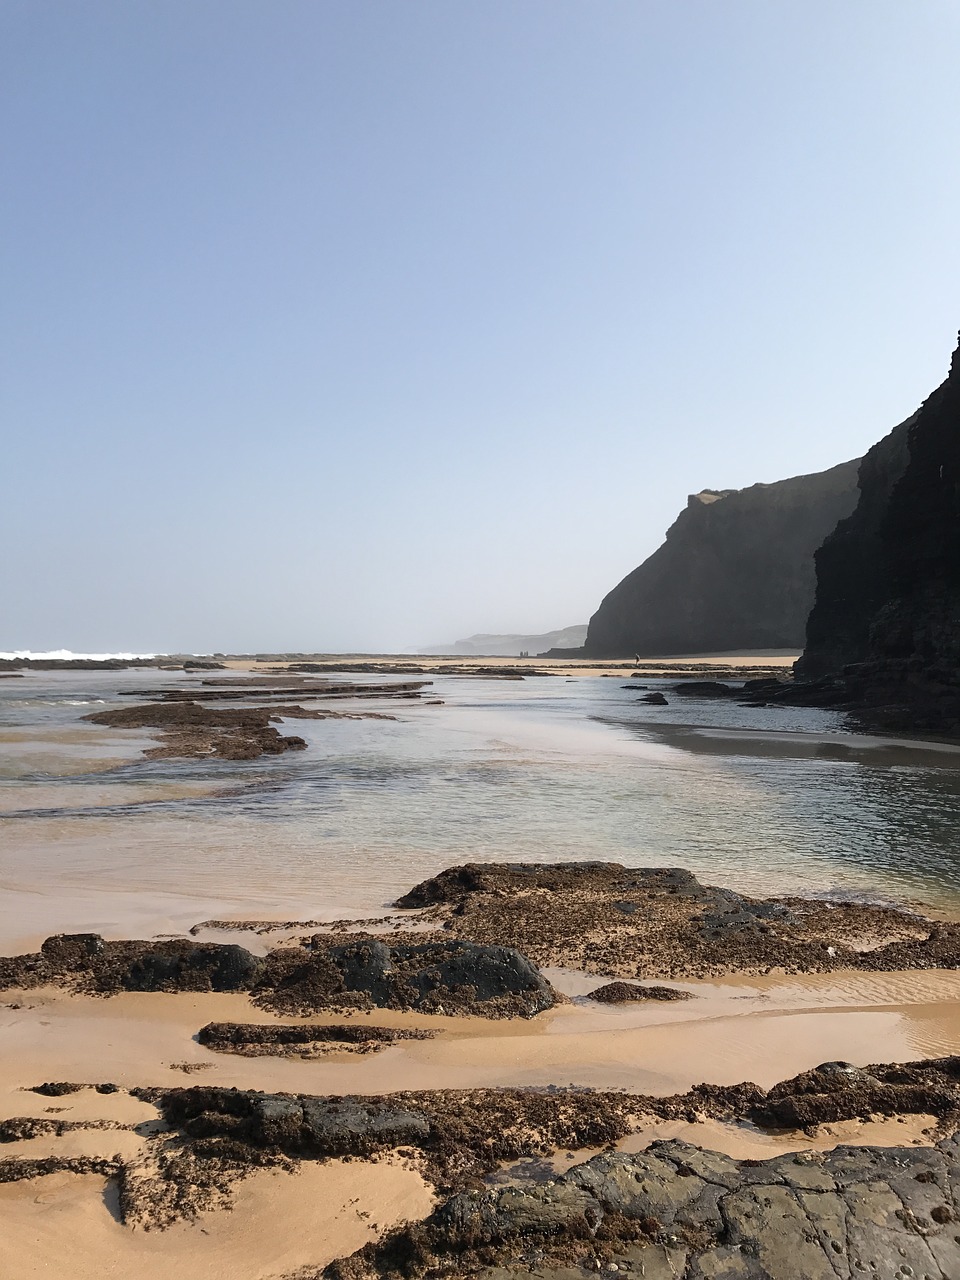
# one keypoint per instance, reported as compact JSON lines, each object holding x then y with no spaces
{"x":334,"y":325}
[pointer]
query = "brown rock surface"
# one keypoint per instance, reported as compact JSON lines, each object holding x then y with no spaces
{"x":623,"y":922}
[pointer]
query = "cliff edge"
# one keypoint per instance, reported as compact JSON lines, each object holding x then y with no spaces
{"x":884,"y":633}
{"x":736,"y":571}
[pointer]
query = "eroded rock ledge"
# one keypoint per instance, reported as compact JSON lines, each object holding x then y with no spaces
{"x":301,"y":1039}
{"x":230,"y":733}
{"x":698,"y":1214}
{"x":623,"y":922}
{"x":188,"y":728}
{"x":676,"y":1212}
{"x":437,"y":976}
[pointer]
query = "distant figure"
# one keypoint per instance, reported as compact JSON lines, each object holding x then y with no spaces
{"x":636,"y":659}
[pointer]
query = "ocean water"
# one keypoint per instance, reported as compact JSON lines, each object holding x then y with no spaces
{"x":768,"y":800}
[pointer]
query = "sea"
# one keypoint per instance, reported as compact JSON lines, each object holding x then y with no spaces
{"x":767,"y":800}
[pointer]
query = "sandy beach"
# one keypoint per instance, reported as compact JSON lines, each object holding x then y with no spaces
{"x":67,"y":1223}
{"x":89,"y":1163}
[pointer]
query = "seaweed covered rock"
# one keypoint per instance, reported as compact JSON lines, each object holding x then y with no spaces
{"x":86,"y":962}
{"x":442,"y":976}
{"x":449,"y":976}
{"x":839,"y":1091}
{"x":677,"y":1212}
{"x":301,"y":1039}
{"x":625,"y":992}
{"x":661,"y":922}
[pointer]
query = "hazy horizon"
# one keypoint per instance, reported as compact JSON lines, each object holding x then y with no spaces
{"x":362,"y":327}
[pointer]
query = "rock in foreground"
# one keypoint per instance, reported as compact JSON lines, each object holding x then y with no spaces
{"x":301,"y":1039}
{"x":627,"y":992}
{"x":447,"y":976}
{"x":623,"y":922}
{"x":677,"y":1212}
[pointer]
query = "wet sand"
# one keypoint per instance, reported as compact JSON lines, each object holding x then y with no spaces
{"x":65,"y":1225}
{"x":748,"y":658}
{"x":764,"y":1030}
{"x":761,"y":1029}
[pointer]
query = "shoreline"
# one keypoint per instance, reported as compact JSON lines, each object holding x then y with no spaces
{"x":118,"y":1112}
{"x":459,"y":1015}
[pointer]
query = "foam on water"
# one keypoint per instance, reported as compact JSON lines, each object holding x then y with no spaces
{"x":68,"y":655}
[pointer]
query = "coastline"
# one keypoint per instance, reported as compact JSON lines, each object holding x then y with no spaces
{"x":776,"y":986}
{"x":141,"y":1052}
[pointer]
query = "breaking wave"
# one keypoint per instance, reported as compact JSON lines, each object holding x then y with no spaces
{"x":67,"y":654}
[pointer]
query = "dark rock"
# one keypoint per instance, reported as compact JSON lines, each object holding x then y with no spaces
{"x":705,"y":689}
{"x":71,"y":950}
{"x":739,"y":915}
{"x":766,"y":685}
{"x":622,"y":992}
{"x":678,"y":882}
{"x":883,"y":638}
{"x":88,"y":963}
{"x":441,"y":976}
{"x":451,"y":976}
{"x":296,"y":1125}
{"x":193,"y":967}
{"x":677,"y":1212}
{"x":655,"y":699}
{"x":735,"y":572}
{"x":56,"y":1089}
{"x":257,"y":1039}
{"x":851,"y":582}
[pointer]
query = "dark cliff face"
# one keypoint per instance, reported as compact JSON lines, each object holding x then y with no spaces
{"x":735,"y":572}
{"x":851,"y":582}
{"x":888,"y":593}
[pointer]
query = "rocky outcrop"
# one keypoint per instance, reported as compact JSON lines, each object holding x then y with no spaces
{"x":735,"y":572}
{"x":447,"y":976}
{"x":300,"y":1039}
{"x":884,"y":633}
{"x":452,"y":977}
{"x":75,"y":664}
{"x":189,"y":729}
{"x":661,"y":922}
{"x":625,"y":992}
{"x":466,"y":1133}
{"x":677,"y":1212}
{"x":856,"y":1210}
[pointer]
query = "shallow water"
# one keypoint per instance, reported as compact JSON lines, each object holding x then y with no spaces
{"x":769,"y":800}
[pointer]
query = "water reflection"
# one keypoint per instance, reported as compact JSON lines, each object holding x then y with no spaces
{"x":768,"y":800}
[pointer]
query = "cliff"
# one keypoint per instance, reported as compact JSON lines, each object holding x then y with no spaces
{"x":735,"y":572}
{"x":486,"y":645}
{"x":884,"y":634}
{"x":850,"y":579}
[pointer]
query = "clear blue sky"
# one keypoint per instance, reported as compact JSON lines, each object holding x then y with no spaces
{"x":334,"y":324}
